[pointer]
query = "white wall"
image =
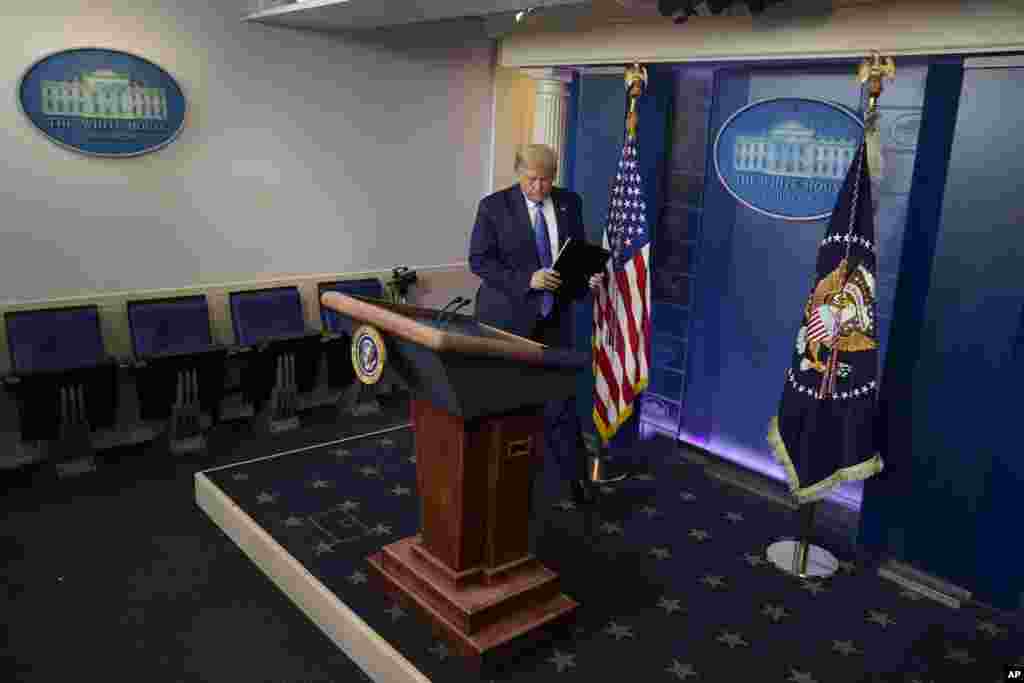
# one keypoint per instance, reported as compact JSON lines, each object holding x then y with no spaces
{"x":302,"y":153}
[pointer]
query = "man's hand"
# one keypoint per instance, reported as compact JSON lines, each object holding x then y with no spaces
{"x":545,"y":279}
{"x":595,"y":280}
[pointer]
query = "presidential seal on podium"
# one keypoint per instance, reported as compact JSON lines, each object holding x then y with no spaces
{"x":368,"y":354}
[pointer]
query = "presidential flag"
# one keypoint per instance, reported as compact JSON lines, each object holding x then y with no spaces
{"x":622,"y":304}
{"x":824,"y":431}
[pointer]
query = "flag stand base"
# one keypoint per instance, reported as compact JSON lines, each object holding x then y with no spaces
{"x":597,"y":471}
{"x":800,"y":558}
{"x":786,"y":555}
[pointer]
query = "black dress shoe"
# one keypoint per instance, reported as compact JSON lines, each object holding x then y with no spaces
{"x":581,"y":494}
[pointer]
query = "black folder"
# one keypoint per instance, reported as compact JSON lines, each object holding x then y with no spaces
{"x":577,"y":261}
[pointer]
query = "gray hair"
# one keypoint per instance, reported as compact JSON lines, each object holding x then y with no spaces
{"x":536,"y":157}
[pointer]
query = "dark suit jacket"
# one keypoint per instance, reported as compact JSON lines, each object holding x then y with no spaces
{"x":503,"y":253}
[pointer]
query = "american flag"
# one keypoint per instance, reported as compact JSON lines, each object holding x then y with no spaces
{"x":622,"y":305}
{"x":821,"y":325}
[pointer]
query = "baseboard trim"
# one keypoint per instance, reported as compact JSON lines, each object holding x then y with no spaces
{"x":1009,"y":615}
{"x":734,"y":475}
{"x":924,"y":584}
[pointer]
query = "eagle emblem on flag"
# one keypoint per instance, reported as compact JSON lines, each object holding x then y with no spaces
{"x":839,"y":317}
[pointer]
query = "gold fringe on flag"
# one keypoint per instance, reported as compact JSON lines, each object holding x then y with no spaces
{"x":818,"y":490}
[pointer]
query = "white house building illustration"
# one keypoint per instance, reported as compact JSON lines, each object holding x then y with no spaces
{"x":103,"y":94}
{"x":792,"y":149}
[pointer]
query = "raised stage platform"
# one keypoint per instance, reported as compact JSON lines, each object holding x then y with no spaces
{"x":334,"y":528}
{"x":668,"y":569}
{"x":284,"y":512}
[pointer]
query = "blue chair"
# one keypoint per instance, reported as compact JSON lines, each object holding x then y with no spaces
{"x":54,"y":340}
{"x":270,"y":325}
{"x":261,"y":316}
{"x":366,"y":287}
{"x":171,"y":326}
{"x":64,"y":383}
{"x":179,"y":370}
{"x":338,"y":329}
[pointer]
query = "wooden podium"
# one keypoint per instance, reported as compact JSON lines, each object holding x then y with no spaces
{"x":476,"y":411}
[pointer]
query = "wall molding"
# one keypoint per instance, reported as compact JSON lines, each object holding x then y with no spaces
{"x":618,"y":70}
{"x":1000,"y":62}
{"x":232,"y":285}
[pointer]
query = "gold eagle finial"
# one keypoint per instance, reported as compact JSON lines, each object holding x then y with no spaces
{"x":636,"y":82}
{"x":871,"y":71}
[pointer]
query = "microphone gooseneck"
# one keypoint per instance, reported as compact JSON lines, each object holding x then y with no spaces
{"x":440,"y":314}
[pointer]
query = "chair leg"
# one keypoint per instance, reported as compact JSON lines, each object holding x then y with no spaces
{"x":283,"y":406}
{"x":72,"y":452}
{"x":186,"y":430}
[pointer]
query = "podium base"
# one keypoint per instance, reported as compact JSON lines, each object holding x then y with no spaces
{"x":483,"y":620}
{"x":820,"y":562}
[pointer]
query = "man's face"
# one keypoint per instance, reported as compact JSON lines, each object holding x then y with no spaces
{"x":536,"y":183}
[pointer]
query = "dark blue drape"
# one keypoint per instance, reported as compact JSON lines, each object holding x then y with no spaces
{"x":948,"y":502}
{"x":881,"y":525}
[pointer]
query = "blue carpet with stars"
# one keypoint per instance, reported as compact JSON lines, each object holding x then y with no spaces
{"x":668,"y":569}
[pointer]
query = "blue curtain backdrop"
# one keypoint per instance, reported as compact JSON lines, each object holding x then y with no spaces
{"x":883,"y":515}
{"x":600,"y":127}
{"x":948,"y":503}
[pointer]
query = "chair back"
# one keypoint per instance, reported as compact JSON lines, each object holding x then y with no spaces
{"x":368,"y":287}
{"x":263,"y":315}
{"x":55,"y":339}
{"x":172,"y":325}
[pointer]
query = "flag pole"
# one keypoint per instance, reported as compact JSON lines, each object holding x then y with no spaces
{"x":870,"y":72}
{"x":802,"y":550}
{"x":635,"y":80}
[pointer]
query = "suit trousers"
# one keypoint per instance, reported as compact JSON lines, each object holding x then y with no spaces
{"x":563,"y":433}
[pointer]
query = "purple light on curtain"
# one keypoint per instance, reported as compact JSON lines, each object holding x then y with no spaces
{"x":848,"y":494}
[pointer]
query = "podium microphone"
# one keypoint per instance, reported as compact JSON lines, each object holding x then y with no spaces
{"x":440,"y":314}
{"x":465,"y":302}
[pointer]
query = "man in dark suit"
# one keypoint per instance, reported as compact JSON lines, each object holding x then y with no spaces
{"x":517,"y":233}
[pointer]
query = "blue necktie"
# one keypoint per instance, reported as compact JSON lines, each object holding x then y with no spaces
{"x":540,"y":233}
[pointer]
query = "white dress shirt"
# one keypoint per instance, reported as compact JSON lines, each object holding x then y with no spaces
{"x":549,"y":216}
